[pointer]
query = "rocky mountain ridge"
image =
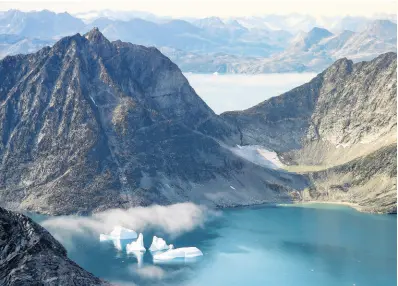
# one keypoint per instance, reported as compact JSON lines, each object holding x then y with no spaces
{"x":338,"y":107}
{"x":345,"y":114}
{"x":91,"y":124}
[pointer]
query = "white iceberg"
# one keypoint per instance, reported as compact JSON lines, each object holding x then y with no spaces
{"x":119,"y":232}
{"x":159,"y":244}
{"x":117,"y":244}
{"x":137,"y":245}
{"x":183,"y":252}
{"x":139,"y":256}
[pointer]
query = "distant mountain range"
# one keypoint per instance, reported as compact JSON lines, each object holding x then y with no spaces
{"x":312,"y":51}
{"x":291,"y":43}
{"x":42,"y":24}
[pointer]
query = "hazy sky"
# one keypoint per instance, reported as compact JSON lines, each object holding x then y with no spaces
{"x":222,"y":8}
{"x":224,"y":92}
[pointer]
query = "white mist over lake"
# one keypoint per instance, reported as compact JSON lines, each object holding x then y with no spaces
{"x":238,"y":91}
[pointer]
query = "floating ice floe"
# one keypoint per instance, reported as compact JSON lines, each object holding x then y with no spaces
{"x":159,"y":244}
{"x":137,"y":245}
{"x":119,"y":232}
{"x":183,"y":252}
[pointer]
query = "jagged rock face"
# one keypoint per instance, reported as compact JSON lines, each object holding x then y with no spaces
{"x":29,"y":255}
{"x":89,"y":124}
{"x":346,"y":105}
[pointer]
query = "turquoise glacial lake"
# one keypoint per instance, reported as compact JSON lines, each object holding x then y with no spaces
{"x":318,"y":245}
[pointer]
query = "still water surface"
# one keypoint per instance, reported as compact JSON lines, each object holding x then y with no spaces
{"x":321,"y":245}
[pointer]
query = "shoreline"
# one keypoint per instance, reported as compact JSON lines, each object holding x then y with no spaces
{"x":257,"y":204}
{"x":308,"y":203}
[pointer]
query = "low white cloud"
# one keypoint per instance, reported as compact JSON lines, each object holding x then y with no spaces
{"x":150,"y":272}
{"x":173,"y":220}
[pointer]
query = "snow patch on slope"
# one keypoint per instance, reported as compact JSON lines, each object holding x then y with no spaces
{"x":258,"y":155}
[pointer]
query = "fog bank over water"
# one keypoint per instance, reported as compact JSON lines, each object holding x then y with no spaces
{"x":238,"y":92}
{"x":174,"y":220}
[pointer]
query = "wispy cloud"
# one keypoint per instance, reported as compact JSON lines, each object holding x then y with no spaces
{"x":173,"y":220}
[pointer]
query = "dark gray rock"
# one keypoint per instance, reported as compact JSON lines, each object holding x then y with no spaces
{"x":88,"y":125}
{"x":29,"y":255}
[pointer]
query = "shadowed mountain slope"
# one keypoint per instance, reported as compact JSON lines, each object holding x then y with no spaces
{"x":29,"y":255}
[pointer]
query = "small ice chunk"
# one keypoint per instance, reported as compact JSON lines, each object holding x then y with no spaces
{"x":119,"y":232}
{"x":159,"y":244}
{"x":137,"y":245}
{"x":183,"y":252}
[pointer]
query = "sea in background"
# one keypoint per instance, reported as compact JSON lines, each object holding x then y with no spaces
{"x":227,"y":92}
{"x":265,"y":245}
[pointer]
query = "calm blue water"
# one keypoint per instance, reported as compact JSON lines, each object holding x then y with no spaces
{"x":264,"y":246}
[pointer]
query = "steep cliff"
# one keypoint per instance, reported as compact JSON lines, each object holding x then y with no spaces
{"x":29,"y":255}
